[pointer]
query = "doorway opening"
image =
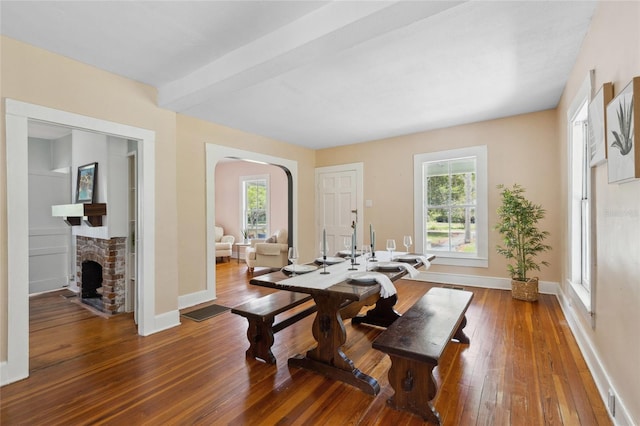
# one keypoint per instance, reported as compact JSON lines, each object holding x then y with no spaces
{"x":216,"y":154}
{"x":17,"y":118}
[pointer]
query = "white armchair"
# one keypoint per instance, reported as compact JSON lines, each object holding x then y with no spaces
{"x":271,"y":253}
{"x":224,"y":244}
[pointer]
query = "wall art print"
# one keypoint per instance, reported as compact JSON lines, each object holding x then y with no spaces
{"x":598,"y":125}
{"x":86,"y":183}
{"x":622,"y":128}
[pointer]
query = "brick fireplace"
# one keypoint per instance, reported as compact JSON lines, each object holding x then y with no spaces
{"x":111,"y":255}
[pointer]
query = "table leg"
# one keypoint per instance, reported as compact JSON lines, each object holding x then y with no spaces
{"x":327,"y":358}
{"x":382,"y":315}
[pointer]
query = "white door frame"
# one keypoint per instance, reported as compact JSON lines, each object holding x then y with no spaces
{"x":17,"y":116}
{"x":359,"y":169}
{"x":214,"y":154}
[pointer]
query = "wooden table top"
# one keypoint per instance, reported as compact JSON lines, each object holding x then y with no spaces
{"x":347,"y":289}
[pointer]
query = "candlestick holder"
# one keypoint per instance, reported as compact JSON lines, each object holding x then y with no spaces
{"x":354,"y":256}
{"x":373,"y":255}
{"x":353,"y":264}
{"x":324,"y":265}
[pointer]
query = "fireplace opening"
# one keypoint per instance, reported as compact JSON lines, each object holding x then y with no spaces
{"x":91,"y":279}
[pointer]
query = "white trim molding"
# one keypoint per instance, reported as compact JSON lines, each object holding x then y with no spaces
{"x":17,"y":116}
{"x":592,"y":359}
{"x":498,"y":283}
{"x":214,"y":154}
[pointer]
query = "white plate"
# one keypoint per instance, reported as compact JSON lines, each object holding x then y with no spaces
{"x":331,"y":260}
{"x":348,"y":252}
{"x":389,"y":266}
{"x":300,"y":269}
{"x":407,"y":258}
{"x":363,"y":277}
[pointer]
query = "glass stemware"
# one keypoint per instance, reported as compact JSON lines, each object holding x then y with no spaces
{"x":391,"y":246}
{"x":366,"y":255}
{"x":407,"y":242}
{"x":293,"y":258}
{"x":347,"y":243}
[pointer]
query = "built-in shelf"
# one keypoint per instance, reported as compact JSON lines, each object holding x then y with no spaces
{"x":74,"y":214}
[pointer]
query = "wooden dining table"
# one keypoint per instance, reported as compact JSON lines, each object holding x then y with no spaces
{"x":339,"y":301}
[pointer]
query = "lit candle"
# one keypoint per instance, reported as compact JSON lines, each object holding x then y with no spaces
{"x":324,"y":242}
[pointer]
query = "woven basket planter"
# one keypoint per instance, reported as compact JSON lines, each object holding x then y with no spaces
{"x":525,"y":290}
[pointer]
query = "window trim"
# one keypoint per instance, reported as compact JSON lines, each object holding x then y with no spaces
{"x":480,"y":259}
{"x":585,"y":296}
{"x":243,"y":180}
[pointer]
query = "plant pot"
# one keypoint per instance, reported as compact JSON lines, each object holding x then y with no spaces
{"x":525,"y":290}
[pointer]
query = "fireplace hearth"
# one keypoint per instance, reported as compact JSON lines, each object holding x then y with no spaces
{"x":101,"y":266}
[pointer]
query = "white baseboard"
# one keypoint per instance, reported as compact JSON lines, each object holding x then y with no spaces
{"x":591,"y":356}
{"x":545,"y":287}
{"x":192,"y":299}
{"x":166,"y":321}
{"x":595,"y":365}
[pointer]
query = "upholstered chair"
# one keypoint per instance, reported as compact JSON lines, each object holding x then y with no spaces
{"x":270,"y":253}
{"x":224,"y":244}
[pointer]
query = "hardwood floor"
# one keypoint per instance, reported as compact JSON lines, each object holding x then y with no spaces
{"x":522,"y":367}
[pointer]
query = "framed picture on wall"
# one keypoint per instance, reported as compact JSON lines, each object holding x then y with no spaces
{"x":622,"y":129}
{"x":86,"y":183}
{"x":598,"y":125}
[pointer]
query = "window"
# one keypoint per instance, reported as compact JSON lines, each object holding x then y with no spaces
{"x":255,"y":206}
{"x":451,"y":205}
{"x":580,"y":194}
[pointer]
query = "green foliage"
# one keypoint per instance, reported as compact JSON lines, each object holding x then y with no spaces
{"x":624,"y":139}
{"x":521,"y":238}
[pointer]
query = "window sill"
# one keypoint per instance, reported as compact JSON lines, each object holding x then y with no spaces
{"x":475,"y":262}
{"x":582,"y":295}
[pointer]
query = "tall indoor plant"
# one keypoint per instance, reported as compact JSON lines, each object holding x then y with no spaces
{"x":522,"y":240}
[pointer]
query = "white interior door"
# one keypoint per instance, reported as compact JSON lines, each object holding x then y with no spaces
{"x":338,"y":204}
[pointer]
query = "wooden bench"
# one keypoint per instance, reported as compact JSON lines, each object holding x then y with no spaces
{"x":261,"y":314}
{"x":415,"y":342}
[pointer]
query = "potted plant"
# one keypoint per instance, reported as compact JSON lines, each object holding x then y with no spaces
{"x":522,"y":240}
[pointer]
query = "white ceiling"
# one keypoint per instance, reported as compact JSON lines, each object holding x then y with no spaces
{"x":322,"y":74}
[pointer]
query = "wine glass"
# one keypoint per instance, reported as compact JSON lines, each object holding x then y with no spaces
{"x":366,"y":254}
{"x":391,"y":246}
{"x":293,"y":258}
{"x":347,"y":243}
{"x":407,"y":241}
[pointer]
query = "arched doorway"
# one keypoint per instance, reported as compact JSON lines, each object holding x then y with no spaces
{"x":217,"y":153}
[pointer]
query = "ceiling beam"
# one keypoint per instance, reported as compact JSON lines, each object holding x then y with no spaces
{"x":326,"y":31}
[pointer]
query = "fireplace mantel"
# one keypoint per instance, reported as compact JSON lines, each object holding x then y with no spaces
{"x":91,"y":213}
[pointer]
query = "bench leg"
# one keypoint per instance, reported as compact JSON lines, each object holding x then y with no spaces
{"x":414,"y":388}
{"x":460,"y":336}
{"x":260,"y":335}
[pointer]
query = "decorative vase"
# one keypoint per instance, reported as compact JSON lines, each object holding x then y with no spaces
{"x":525,"y":290}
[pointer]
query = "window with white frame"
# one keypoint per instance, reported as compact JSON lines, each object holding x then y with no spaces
{"x":579,"y":196}
{"x":255,"y":206}
{"x":451,"y":205}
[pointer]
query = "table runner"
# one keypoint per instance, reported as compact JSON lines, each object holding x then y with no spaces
{"x":338,"y":273}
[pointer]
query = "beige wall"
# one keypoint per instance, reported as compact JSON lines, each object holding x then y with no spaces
{"x":520,"y":149}
{"x":192,"y":136}
{"x":612,"y":49}
{"x":36,"y":76}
